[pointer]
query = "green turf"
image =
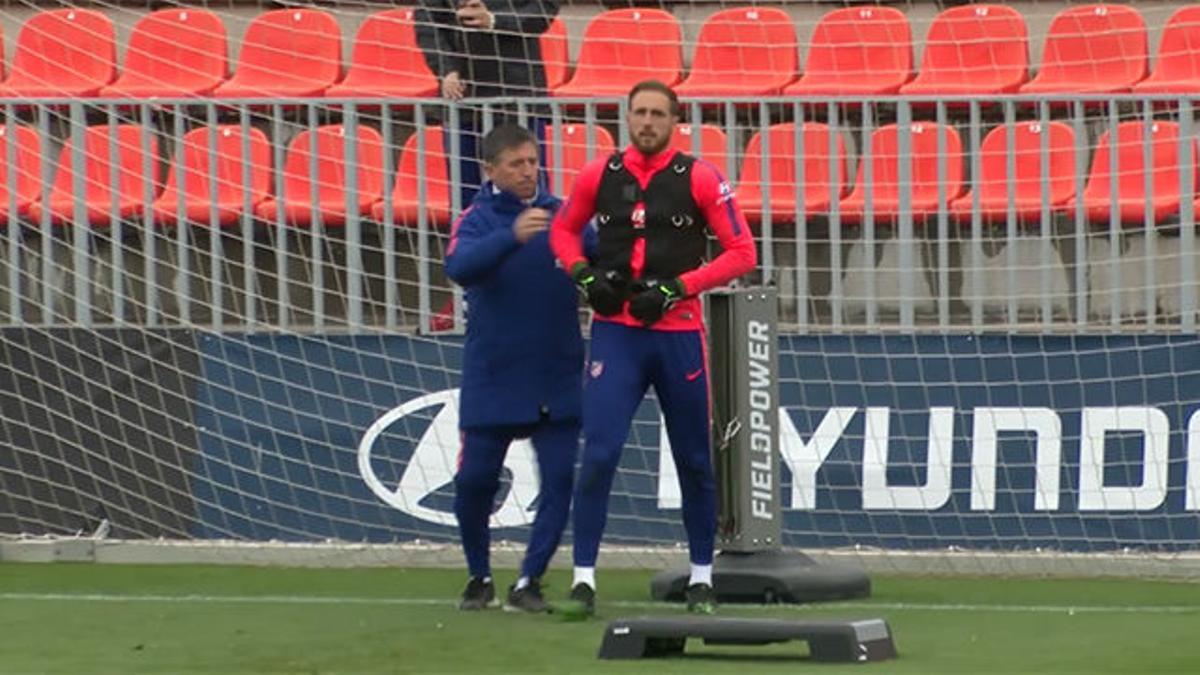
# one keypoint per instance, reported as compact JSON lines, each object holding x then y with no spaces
{"x":404,"y":621}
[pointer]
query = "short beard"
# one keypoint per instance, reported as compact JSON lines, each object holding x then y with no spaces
{"x":655,"y":150}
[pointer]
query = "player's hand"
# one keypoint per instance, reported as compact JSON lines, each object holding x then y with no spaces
{"x":650,"y":305}
{"x":604,"y":291}
{"x":529,"y":223}
{"x":474,"y":14}
{"x":453,"y":87}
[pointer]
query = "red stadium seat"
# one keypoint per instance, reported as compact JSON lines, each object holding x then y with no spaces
{"x":405,"y":206}
{"x":1027,"y":179}
{"x":232,"y":186}
{"x":923,"y":173}
{"x":62,"y":53}
{"x":1177,"y":68}
{"x":711,"y":139}
{"x":97,"y":195}
{"x":622,"y":47}
{"x":973,"y":50}
{"x":173,"y":53}
{"x":781,"y":195}
{"x":27,"y":153}
{"x":330,"y":181}
{"x":746,"y":51}
{"x":857,"y":51}
{"x":287,"y":52}
{"x":386,"y":61}
{"x":1131,"y":198}
{"x":573,"y":139}
{"x":1092,"y":49}
{"x":555,"y":54}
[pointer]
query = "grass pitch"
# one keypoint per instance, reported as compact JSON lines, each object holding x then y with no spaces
{"x":214,"y":619}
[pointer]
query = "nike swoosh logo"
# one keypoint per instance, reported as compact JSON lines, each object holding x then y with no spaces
{"x":691,"y":377}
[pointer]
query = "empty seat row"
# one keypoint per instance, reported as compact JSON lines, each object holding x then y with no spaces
{"x":928,"y":188}
{"x":970,"y":50}
{"x":234,"y":191}
{"x":934,"y":185}
{"x":748,"y":51}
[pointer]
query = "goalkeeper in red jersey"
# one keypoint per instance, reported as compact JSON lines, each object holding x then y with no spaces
{"x":653,"y":207}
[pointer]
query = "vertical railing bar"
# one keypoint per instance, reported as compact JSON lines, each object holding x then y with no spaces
{"x":1046,"y":238}
{"x":281,"y":227}
{"x":943,"y":224}
{"x":731,"y":141}
{"x":149,"y":233}
{"x":1081,"y":239}
{"x":13,"y":232}
{"x":453,"y":126}
{"x":557,"y":132}
{"x":182,"y":282}
{"x":47,"y":229}
{"x":116,"y":249}
{"x":80,"y":229}
{"x":1187,"y":220}
{"x":802,"y":272}
{"x":354,"y":264}
{"x":904,"y":179}
{"x":316,"y":230}
{"x":1114,"y":213}
{"x":836,"y":287}
{"x":869,"y":234}
{"x":1148,"y":221}
{"x":1010,"y":215}
{"x":390,"y":292}
{"x":767,"y":263}
{"x":249,"y":278}
{"x":975,"y":248}
{"x":489,"y":121}
{"x":694,"y":121}
{"x":589,"y":131}
{"x":216,"y":253}
{"x":424,"y":299}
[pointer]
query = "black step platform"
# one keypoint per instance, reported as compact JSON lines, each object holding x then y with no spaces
{"x":840,"y":641}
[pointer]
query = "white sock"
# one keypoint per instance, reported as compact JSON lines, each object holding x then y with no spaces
{"x":585,"y":575}
{"x":701,"y":574}
{"x":522,"y":583}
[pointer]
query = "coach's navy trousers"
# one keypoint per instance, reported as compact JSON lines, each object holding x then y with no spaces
{"x":477,"y":480}
{"x":624,"y":361}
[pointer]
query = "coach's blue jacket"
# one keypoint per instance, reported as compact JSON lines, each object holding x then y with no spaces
{"x":523,"y":359}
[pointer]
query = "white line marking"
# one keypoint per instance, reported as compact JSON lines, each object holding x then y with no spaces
{"x":350,"y":600}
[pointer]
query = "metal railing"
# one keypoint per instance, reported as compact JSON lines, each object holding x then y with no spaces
{"x":935,"y":269}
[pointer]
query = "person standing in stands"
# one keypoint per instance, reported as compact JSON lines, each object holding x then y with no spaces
{"x":654,"y":208}
{"x":484,"y":49}
{"x":522,"y":362}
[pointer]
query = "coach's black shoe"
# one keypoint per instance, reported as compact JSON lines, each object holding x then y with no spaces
{"x":479,"y":594}
{"x":528,"y":599}
{"x":582,"y":602}
{"x":701,"y":600}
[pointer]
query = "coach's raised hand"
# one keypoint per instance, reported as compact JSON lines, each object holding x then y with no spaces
{"x":530,"y":222}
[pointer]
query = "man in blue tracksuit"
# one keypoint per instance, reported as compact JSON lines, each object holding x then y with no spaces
{"x":522,"y":364}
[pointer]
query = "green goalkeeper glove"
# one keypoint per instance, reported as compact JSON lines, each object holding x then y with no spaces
{"x":604,"y":291}
{"x":651,"y":304}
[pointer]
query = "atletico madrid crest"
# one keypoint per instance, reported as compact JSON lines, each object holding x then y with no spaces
{"x":596,"y":369}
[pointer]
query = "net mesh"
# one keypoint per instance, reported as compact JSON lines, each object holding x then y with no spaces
{"x":232,"y":322}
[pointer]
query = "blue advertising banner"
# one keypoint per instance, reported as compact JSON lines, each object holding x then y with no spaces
{"x":999,"y":442}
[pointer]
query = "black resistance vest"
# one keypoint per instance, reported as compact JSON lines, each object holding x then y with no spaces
{"x":664,"y":214}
